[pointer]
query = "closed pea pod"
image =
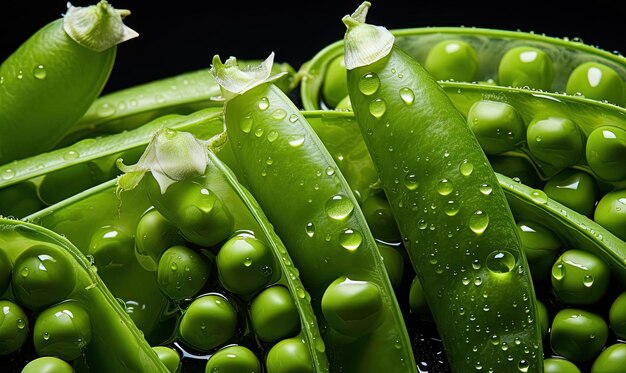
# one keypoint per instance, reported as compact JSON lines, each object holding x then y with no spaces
{"x":394,"y":96}
{"x":59,"y":71}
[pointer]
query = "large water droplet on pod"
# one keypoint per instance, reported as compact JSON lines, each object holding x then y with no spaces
{"x":407,"y":95}
{"x":478,"y":222}
{"x":378,"y":108}
{"x":350,"y":239}
{"x":369,"y":84}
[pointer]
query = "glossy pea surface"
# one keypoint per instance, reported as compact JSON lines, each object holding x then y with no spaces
{"x":288,"y":356}
{"x":540,"y":245}
{"x":452,"y":60}
{"x":610,"y":360}
{"x":154,"y":235}
{"x":274,"y":315}
{"x":605,"y":152}
{"x":611,"y":212}
{"x":182,"y":272}
{"x":597,"y":81}
{"x":526,"y":67}
{"x":244,"y":264}
{"x":555,"y":141}
{"x":380,"y":219}
{"x":559,"y":365}
{"x":208,"y":322}
{"x":496,"y":125}
{"x":579,"y":277}
{"x":578,"y":335}
{"x":47,"y":364}
{"x":111,"y":247}
{"x":233,"y":359}
{"x":14,"y":327}
{"x":417,"y":300}
{"x":63,"y":330}
{"x":575,"y":189}
{"x":617,"y":315}
{"x":169,"y":357}
{"x":393,"y":261}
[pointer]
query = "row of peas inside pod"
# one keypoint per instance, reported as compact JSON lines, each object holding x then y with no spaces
{"x":215,"y":287}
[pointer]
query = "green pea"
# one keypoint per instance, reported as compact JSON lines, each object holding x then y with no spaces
{"x":526,"y":67}
{"x":43,"y":275}
{"x":555,"y":141}
{"x":169,"y":357}
{"x":575,"y":189}
{"x":63,"y":330}
{"x":153,"y":236}
{"x":208,"y":322}
{"x":111,"y":247}
{"x":515,"y":167}
{"x":5,"y":272}
{"x":19,"y":200}
{"x":496,"y":125}
{"x":610,"y":360}
{"x":245,"y":264}
{"x":541,"y":247}
{"x":13,"y":327}
{"x":452,"y":60}
{"x":380,"y":219}
{"x":417,"y":300}
{"x":559,"y":365}
{"x":274,"y":315}
{"x":611,"y":212}
{"x":344,"y":104}
{"x":47,"y":364}
{"x":66,"y":182}
{"x":233,"y":359}
{"x":617,"y":316}
{"x":596,"y":81}
{"x":542,"y":316}
{"x":182,"y":272}
{"x":606,"y":151}
{"x":352,"y":307}
{"x":579,"y":277}
{"x":335,"y":86}
{"x":578,"y":335}
{"x":394,"y":263}
{"x":289,"y":356}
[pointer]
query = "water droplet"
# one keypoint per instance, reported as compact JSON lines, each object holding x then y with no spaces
{"x":558,"y":271}
{"x":246,"y":123}
{"x":272,"y":136}
{"x":269,"y":161}
{"x":407,"y":95}
{"x":504,"y":346}
{"x":8,"y":174}
{"x":293,"y":118}
{"x":319,"y":345}
{"x":39,"y":72}
{"x":588,"y":281}
{"x":46,"y":336}
{"x":339,"y":207}
{"x":258,"y":132}
{"x":267,"y":270}
{"x":410,"y":181}
{"x":20,"y":75}
{"x":485,"y":189}
{"x":279,"y":114}
{"x":70,"y":154}
{"x":310,"y":229}
{"x":478,"y":281}
{"x":369,"y":84}
{"x":173,"y":266}
{"x":494,"y":339}
{"x":466,"y":168}
{"x":451,"y":208}
{"x":263,"y":103}
{"x":300,"y":292}
{"x":465,"y":280}
{"x":539,"y":196}
{"x":247,"y":262}
{"x":296,"y":140}
{"x":159,"y":99}
{"x":105,"y":109}
{"x":21,"y":324}
{"x":378,"y":108}
{"x":523,"y":366}
{"x":500,"y":261}
{"x":330,"y":171}
{"x":25,"y":272}
{"x":350,"y":239}
{"x":478,"y":222}
{"x":422,"y":224}
{"x":445,"y":187}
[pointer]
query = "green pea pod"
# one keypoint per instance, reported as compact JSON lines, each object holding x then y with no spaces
{"x":181,"y":94}
{"x":47,"y":178}
{"x":506,"y":58}
{"x":116,"y":344}
{"x":432,"y":170}
{"x":315,"y":213}
{"x":60,"y":71}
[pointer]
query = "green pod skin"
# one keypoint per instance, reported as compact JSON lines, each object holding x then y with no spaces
{"x":116,"y":344}
{"x":317,"y":216}
{"x":426,"y":155}
{"x":55,"y":74}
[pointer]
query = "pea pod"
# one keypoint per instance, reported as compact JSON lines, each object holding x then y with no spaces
{"x":506,"y":58}
{"x":49,"y":270}
{"x":60,"y":70}
{"x":432,"y":170}
{"x":314,"y":211}
{"x":129,"y":108}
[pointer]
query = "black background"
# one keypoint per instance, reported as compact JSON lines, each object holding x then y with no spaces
{"x":180,"y":36}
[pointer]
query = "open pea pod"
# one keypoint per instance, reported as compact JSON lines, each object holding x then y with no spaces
{"x":70,"y":311}
{"x":50,"y":177}
{"x":506,"y":58}
{"x":131,"y":107}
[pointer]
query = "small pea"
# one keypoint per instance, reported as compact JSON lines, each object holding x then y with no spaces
{"x":452,"y":60}
{"x":154,"y":235}
{"x":169,"y":357}
{"x":13,"y":327}
{"x":111,"y":247}
{"x":542,"y":316}
{"x":19,"y":200}
{"x":233,"y":359}
{"x":63,"y":330}
{"x":541,"y":247}
{"x":335,"y":85}
{"x":5,"y":272}
{"x":289,"y":356}
{"x":596,"y":81}
{"x":579,"y":277}
{"x":496,"y":125}
{"x":393,"y":262}
{"x":274,"y":315}
{"x":244,"y":264}
{"x":182,"y":272}
{"x":47,"y":364}
{"x":352,"y":307}
{"x":578,"y":335}
{"x":617,"y":316}
{"x":208,"y":322}
{"x":555,"y":141}
{"x":575,"y":189}
{"x":526,"y":67}
{"x":66,"y":182}
{"x":345,"y":104}
{"x":417,"y":300}
{"x":606,"y":151}
{"x":515,"y":167}
{"x":610,"y":360}
{"x":380,"y":219}
{"x":559,"y":365}
{"x":611,"y":212}
{"x":43,"y":275}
